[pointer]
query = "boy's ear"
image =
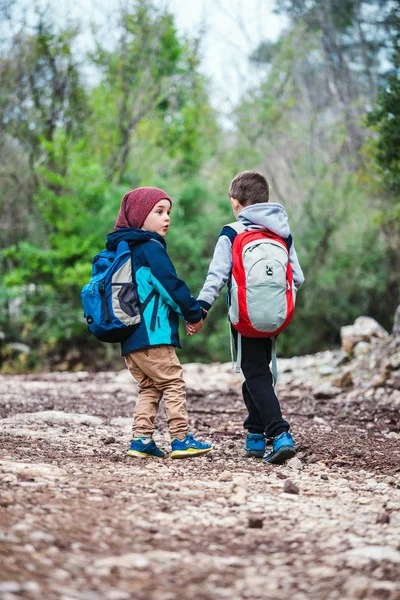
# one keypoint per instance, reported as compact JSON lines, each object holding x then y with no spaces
{"x":235,"y":204}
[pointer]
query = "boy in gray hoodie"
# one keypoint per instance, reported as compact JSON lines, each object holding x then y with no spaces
{"x":249,"y":196}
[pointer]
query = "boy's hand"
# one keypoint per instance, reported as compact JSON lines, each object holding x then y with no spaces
{"x":193,"y":328}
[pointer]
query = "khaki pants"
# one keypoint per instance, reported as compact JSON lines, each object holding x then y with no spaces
{"x":159,"y":374}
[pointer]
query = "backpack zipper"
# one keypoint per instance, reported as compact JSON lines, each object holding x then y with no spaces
{"x":104,"y":304}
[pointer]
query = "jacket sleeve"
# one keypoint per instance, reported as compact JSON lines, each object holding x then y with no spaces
{"x":220,"y":268}
{"x":172,"y":290}
{"x":298,"y":276}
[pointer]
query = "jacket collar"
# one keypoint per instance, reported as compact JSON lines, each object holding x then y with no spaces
{"x":132,"y":236}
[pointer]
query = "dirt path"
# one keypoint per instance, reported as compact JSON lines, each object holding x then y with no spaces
{"x":80,"y":520}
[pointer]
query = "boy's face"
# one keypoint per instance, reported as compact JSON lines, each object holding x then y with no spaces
{"x":158,"y":219}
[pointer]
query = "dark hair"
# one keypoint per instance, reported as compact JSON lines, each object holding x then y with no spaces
{"x":249,"y":187}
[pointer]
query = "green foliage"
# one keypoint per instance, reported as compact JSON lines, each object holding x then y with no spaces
{"x":70,"y":151}
{"x":386,"y":118}
{"x":345,"y":265}
{"x":383,"y":153}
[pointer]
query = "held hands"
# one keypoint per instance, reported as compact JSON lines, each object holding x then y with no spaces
{"x":193,"y":328}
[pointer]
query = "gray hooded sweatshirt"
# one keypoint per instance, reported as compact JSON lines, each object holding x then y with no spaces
{"x":268,"y":215}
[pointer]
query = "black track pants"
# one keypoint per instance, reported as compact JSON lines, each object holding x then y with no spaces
{"x":258,"y":391}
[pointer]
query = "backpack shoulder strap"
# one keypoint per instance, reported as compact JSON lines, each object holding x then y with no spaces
{"x":122,"y":247}
{"x":236,"y":226}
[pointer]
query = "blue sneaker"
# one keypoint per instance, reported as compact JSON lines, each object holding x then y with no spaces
{"x":189,"y":446}
{"x":144,"y":447}
{"x":282,"y":449}
{"x":255,"y":444}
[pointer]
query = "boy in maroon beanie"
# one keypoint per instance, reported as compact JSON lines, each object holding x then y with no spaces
{"x":149,"y":352}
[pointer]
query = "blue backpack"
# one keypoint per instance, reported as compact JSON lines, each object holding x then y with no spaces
{"x":110,"y":300}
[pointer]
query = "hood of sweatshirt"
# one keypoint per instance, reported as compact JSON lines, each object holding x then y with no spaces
{"x":132,"y":236}
{"x":270,"y":215}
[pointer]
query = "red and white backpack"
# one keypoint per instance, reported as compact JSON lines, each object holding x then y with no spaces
{"x":262,"y":295}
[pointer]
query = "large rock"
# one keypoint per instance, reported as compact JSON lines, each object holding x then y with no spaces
{"x":55,"y":417}
{"x":364,"y":329}
{"x":34,"y":471}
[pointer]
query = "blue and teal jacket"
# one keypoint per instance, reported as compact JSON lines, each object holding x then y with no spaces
{"x":156,"y":278}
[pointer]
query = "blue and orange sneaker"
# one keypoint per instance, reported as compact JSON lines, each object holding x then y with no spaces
{"x":189,"y":446}
{"x":282,"y":449}
{"x":144,"y":447}
{"x":255,"y":444}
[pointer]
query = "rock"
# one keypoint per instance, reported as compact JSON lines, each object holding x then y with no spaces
{"x":136,"y":560}
{"x":12,"y":587}
{"x":319,"y":420}
{"x":118,"y":595}
{"x":239,"y":481}
{"x":225,"y":476}
{"x":362,"y":348}
{"x":324,"y":476}
{"x":57,"y":417}
{"x":380,"y":379}
{"x":343,"y":380}
{"x":342,"y":359}
{"x":32,"y":587}
{"x":125,"y":422}
{"x":371,"y":483}
{"x":295,"y":463}
{"x":37,"y":471}
{"x":378,"y":553}
{"x":326,"y":390}
{"x":60,"y":574}
{"x":290,"y":488}
{"x":364,"y":329}
{"x":255,"y":522}
{"x":41,"y":536}
{"x":20,"y":348}
{"x":357,"y":586}
{"x":393,"y":435}
{"x":109,"y":440}
{"x":383,"y":518}
{"x":393,"y":362}
{"x":394,"y":380}
{"x":326,"y":370}
{"x":239,"y":496}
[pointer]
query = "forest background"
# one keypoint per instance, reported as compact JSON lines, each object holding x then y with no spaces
{"x":321,"y":121}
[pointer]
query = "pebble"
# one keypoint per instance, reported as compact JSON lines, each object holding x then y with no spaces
{"x":383,"y":518}
{"x":109,"y":440}
{"x":239,"y":496}
{"x":60,"y":574}
{"x":295,"y":463}
{"x":290,"y":488}
{"x":378,"y":553}
{"x":371,"y":484}
{"x":255,"y":521}
{"x":225,"y":476}
{"x":12,"y":587}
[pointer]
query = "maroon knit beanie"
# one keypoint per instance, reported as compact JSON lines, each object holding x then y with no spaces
{"x":137,"y":204}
